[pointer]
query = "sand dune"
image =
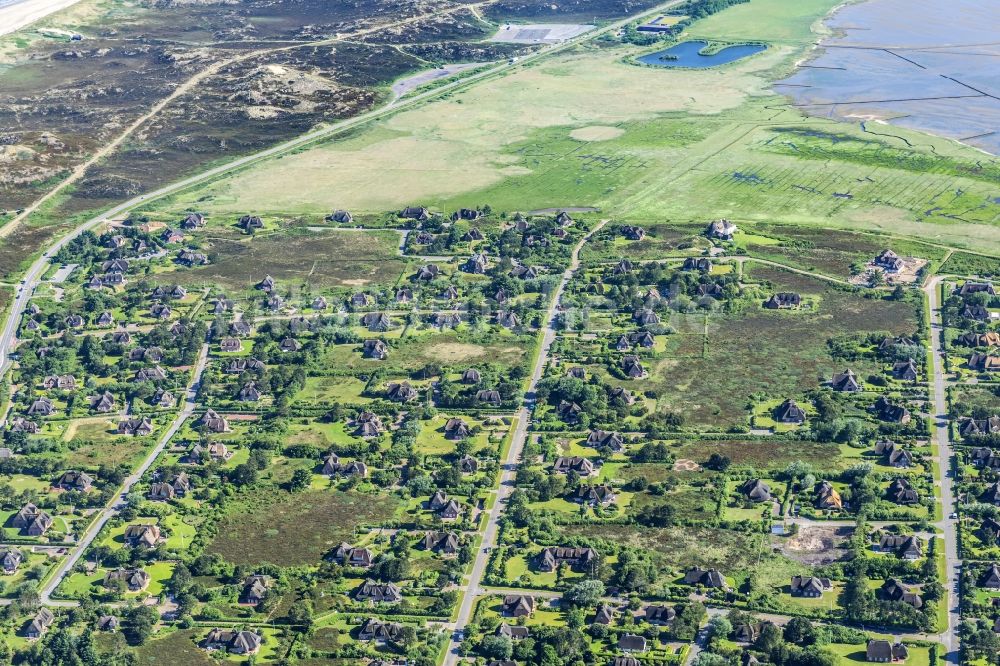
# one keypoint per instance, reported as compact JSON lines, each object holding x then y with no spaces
{"x":16,"y":16}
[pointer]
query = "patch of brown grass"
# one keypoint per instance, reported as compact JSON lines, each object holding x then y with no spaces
{"x":294,"y":529}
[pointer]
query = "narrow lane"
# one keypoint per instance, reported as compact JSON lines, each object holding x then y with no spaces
{"x":509,"y":466}
{"x":119,"y":502}
{"x":946,"y":496}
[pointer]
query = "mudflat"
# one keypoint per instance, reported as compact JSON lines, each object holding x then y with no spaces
{"x":914,"y":63}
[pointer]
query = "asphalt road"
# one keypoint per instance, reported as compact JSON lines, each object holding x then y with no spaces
{"x":509,"y":468}
{"x":119,"y":503}
{"x":37,"y":269}
{"x":946,"y":496}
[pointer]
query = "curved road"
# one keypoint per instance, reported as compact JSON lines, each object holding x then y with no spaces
{"x":37,"y":269}
{"x":119,"y":503}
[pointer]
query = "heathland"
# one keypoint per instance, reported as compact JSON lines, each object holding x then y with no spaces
{"x":590,"y":127}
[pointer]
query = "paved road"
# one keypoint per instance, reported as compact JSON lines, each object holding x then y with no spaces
{"x":310,"y":137}
{"x":78,"y":172}
{"x":7,"y":335}
{"x":509,"y":469}
{"x":946,"y":496}
{"x":119,"y":503}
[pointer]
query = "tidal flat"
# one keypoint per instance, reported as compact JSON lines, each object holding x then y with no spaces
{"x":919,"y":64}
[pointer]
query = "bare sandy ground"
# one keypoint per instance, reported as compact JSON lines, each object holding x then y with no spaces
{"x":16,"y":16}
{"x":404,"y":86}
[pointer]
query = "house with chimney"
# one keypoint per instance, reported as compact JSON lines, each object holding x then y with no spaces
{"x":903,"y":546}
{"x":351,"y":556}
{"x":894,"y":589}
{"x":783,"y":301}
{"x":809,"y":586}
{"x":881,"y":651}
{"x":132,"y":579}
{"x":705,"y":577}
{"x":233,"y":641}
{"x":593,"y":495}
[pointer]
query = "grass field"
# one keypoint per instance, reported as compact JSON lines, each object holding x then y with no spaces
{"x":290,"y":530}
{"x":588,"y":128}
{"x":728,"y":550}
{"x":298,"y":256}
{"x":766,"y":353}
{"x":966,"y":399}
{"x":433,"y":440}
{"x":333,"y":389}
{"x":455,"y":348}
{"x":762,"y":453}
{"x":766,"y":20}
{"x":855,"y":654}
{"x":175,"y":649}
{"x":964,"y":263}
{"x":826,"y":251}
{"x":94,"y":443}
{"x":480,"y":138}
{"x":321,"y":435}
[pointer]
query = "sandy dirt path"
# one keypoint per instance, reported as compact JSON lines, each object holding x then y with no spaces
{"x":190,"y":84}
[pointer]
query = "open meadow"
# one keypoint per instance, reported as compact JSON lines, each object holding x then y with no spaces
{"x":590,"y":128}
{"x":766,"y":354}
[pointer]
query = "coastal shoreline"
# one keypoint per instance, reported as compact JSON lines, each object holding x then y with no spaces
{"x":825,"y":84}
{"x":22,"y":14}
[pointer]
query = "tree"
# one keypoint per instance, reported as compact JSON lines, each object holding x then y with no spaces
{"x":585,"y":593}
{"x":770,"y":640}
{"x":496,"y":647}
{"x":137,"y":624}
{"x":718,"y":462}
{"x":800,"y":631}
{"x":658,"y":515}
{"x":301,"y":613}
{"x":27,"y":598}
{"x":180,"y":579}
{"x":408,"y":636}
{"x":244,"y":475}
{"x":391,"y":568}
{"x":875,"y":278}
{"x":796,"y":470}
{"x":719,"y":627}
{"x":300,"y":480}
{"x":710,"y":659}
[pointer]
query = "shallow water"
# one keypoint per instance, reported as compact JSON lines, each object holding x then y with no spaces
{"x":922,"y":64}
{"x":688,"y":55}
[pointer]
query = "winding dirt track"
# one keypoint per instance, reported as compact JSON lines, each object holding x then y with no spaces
{"x":193,"y":82}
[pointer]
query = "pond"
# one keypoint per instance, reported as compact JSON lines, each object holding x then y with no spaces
{"x":689,"y":55}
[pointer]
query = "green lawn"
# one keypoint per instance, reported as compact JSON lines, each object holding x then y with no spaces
{"x":855,"y":654}
{"x":329,"y":389}
{"x":522,"y":570}
{"x":432,"y":439}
